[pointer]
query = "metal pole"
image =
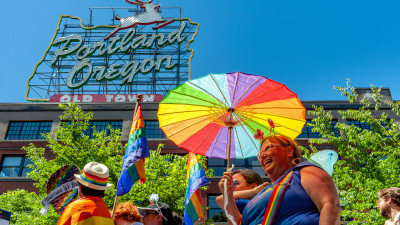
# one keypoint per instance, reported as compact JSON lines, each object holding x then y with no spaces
{"x":139,"y":98}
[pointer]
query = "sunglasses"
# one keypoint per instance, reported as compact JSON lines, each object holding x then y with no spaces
{"x":156,"y":212}
{"x":237,"y":182}
{"x":150,"y":213}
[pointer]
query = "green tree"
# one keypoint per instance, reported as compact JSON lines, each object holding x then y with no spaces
{"x":371,"y":155}
{"x":71,"y":146}
{"x":25,"y":208}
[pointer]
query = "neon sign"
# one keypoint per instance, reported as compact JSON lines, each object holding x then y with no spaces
{"x":144,"y":54}
{"x":73,"y":44}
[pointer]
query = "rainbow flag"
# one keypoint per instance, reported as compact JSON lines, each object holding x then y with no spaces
{"x":137,"y":150}
{"x":86,"y":211}
{"x":195,"y":179}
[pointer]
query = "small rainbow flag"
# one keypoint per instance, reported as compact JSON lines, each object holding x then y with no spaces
{"x":136,"y":151}
{"x":195,"y":179}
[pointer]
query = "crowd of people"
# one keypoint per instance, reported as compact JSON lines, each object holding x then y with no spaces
{"x":90,"y":209}
{"x":297,"y":193}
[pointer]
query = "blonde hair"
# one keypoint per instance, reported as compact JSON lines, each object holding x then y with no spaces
{"x":285,"y":140}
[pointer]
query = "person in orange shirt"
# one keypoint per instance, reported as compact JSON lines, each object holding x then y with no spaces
{"x":90,"y":209}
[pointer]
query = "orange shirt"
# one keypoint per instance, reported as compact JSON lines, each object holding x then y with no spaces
{"x":86,"y":211}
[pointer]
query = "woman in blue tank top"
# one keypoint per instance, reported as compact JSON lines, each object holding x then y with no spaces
{"x":310,"y":197}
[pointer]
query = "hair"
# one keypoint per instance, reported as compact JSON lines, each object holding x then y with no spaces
{"x":392,"y":192}
{"x":249,"y":175}
{"x":177,"y":218}
{"x":285,"y":140}
{"x":127,"y":211}
{"x":91,"y":192}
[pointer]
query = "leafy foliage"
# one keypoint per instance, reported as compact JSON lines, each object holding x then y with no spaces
{"x":166,"y":174}
{"x":25,"y":207}
{"x":370,"y":155}
{"x":71,"y":146}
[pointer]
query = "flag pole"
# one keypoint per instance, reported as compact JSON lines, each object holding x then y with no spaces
{"x":139,"y":98}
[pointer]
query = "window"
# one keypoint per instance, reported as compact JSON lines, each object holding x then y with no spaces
{"x":214,"y":211}
{"x":15,"y":166}
{"x":27,"y":130}
{"x":102,"y":125}
{"x":307,"y":133}
{"x":333,"y":129}
{"x":153,"y":129}
{"x":219,"y":165}
{"x":359,"y":124}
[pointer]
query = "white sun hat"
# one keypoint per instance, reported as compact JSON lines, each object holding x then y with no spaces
{"x":95,"y":176}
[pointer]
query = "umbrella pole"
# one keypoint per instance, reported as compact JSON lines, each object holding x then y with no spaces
{"x":229,"y":147}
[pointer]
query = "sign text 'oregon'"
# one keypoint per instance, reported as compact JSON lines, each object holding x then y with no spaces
{"x":73,"y":44}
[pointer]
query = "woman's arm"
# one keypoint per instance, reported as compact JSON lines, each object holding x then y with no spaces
{"x":320,"y":187}
{"x":245,"y":194}
{"x":231,"y":207}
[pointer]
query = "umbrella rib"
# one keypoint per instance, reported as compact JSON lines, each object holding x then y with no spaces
{"x":213,"y":112}
{"x":167,"y":113}
{"x":250,"y":137}
{"x":191,"y":96}
{"x":185,"y":127}
{"x":270,"y":115}
{"x":204,"y":138}
{"x":266,"y":93}
{"x":206,"y":92}
{"x":261,"y":125}
{"x":209,"y":92}
{"x":247,"y":90}
{"x":278,"y":124}
{"x":234,"y":90}
{"x":226,"y":101}
{"x":247,"y":106}
{"x":215,"y":142}
{"x":240,"y":146}
{"x":274,"y":107}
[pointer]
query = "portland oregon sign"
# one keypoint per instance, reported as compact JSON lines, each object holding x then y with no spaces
{"x":145,"y":50}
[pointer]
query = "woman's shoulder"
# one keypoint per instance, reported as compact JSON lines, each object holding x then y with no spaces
{"x":305,"y":164}
{"x":313,"y":173}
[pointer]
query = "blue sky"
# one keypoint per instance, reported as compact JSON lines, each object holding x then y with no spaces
{"x":310,"y":46}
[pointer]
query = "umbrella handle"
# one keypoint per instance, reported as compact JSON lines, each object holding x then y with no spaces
{"x":229,"y":216}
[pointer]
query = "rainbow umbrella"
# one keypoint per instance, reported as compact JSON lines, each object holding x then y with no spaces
{"x":217,"y":115}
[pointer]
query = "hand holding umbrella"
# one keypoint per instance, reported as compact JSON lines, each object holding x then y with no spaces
{"x":218,"y":114}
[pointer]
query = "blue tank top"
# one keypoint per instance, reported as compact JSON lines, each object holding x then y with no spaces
{"x":296,"y":207}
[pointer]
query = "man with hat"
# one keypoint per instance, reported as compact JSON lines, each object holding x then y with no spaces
{"x":157,"y":213}
{"x":90,"y":209}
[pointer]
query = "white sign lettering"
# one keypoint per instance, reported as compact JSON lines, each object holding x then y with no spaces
{"x":73,"y":45}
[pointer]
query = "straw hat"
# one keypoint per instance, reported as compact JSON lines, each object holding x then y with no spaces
{"x":95,"y":176}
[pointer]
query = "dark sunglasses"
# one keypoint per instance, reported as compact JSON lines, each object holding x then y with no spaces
{"x":150,"y":212}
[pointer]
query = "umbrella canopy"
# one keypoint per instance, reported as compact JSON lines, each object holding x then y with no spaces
{"x":217,"y":115}
{"x":326,"y":159}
